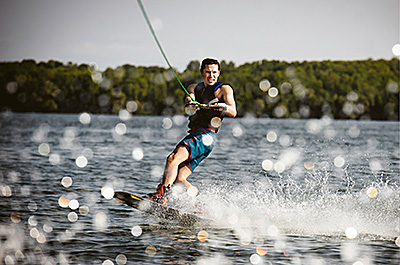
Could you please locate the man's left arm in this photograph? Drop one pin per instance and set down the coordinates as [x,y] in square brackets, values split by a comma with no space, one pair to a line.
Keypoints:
[227,95]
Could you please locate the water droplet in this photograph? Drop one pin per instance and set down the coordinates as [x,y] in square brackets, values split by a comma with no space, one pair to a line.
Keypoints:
[124,115]
[339,161]
[267,165]
[192,191]
[286,87]
[81,161]
[308,165]
[131,106]
[179,119]
[41,238]
[107,192]
[375,165]
[6,191]
[85,118]
[167,123]
[352,96]
[396,49]
[54,159]
[285,140]
[255,259]
[272,136]
[151,251]
[207,140]
[100,221]
[93,66]
[313,126]
[392,87]
[279,167]
[69,134]
[72,217]
[273,92]
[44,149]
[73,204]
[264,85]
[351,232]
[237,131]
[273,231]
[121,259]
[353,131]
[12,87]
[32,206]
[107,262]
[279,111]
[397,241]
[63,201]
[202,236]
[15,218]
[34,233]
[261,251]
[216,122]
[304,111]
[84,210]
[136,231]
[47,228]
[137,154]
[372,192]
[329,133]
[120,128]
[156,171]
[66,182]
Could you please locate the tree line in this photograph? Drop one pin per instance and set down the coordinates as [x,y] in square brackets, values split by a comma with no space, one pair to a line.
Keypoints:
[365,89]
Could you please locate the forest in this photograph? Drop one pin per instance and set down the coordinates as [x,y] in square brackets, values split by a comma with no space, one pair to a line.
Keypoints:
[365,89]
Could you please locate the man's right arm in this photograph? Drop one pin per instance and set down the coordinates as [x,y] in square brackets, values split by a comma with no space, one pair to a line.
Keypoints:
[190,89]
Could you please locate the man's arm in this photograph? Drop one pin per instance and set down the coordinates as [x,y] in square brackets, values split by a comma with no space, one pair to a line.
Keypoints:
[227,94]
[190,89]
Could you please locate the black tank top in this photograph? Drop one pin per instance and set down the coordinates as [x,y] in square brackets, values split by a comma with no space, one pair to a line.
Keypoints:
[204,118]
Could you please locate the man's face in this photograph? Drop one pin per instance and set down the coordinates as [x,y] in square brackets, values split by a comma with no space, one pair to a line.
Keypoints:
[210,74]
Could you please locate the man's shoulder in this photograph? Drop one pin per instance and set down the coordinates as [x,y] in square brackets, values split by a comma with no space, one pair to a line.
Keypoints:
[226,88]
[192,87]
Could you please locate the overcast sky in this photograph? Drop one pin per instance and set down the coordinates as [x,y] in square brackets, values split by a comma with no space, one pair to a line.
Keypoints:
[114,32]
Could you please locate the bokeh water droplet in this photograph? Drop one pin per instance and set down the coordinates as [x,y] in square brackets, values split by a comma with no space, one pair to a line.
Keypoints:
[136,231]
[85,118]
[202,235]
[66,182]
[351,232]
[137,154]
[81,161]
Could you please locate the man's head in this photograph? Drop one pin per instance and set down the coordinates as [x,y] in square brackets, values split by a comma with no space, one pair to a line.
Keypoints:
[210,71]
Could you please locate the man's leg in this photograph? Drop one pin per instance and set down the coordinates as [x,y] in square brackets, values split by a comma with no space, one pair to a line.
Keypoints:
[171,173]
[183,174]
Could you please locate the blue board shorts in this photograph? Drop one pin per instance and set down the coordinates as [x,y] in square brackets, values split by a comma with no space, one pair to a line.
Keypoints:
[199,144]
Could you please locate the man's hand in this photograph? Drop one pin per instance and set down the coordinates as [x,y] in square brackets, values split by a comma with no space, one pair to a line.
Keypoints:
[219,107]
[191,107]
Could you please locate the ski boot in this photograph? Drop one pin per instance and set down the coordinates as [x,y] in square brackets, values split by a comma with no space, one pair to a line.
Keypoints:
[160,196]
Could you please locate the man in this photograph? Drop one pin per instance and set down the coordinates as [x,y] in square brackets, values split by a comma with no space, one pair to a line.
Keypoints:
[217,100]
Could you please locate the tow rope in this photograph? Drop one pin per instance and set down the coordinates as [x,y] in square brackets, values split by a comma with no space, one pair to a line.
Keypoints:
[161,49]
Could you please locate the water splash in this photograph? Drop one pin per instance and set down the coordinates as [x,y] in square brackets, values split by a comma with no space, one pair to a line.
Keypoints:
[309,208]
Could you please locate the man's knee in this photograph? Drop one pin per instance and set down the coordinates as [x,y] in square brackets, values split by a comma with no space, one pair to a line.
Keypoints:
[179,155]
[171,157]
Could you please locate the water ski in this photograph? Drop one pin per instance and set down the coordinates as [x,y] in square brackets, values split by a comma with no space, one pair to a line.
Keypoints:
[157,209]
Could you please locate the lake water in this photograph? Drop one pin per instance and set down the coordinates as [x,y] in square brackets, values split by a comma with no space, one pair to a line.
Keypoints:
[278,192]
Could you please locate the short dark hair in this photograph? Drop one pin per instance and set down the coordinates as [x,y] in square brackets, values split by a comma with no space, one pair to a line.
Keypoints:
[208,61]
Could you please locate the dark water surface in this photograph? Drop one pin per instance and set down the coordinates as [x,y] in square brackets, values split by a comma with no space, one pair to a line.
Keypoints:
[278,192]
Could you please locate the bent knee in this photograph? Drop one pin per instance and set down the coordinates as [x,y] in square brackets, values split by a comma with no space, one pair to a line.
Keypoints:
[178,155]
[171,157]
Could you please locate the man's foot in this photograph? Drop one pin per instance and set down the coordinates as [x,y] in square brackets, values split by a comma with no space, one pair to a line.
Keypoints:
[160,196]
